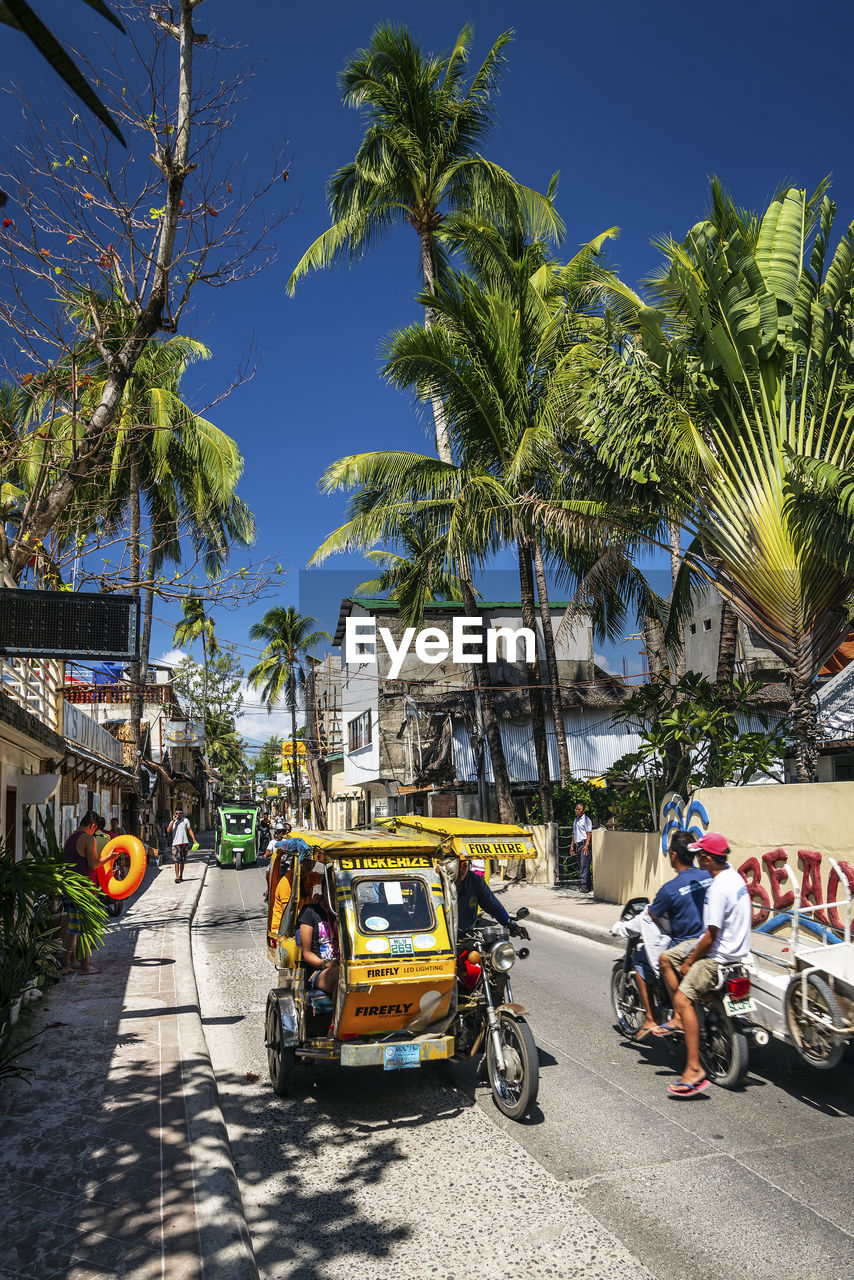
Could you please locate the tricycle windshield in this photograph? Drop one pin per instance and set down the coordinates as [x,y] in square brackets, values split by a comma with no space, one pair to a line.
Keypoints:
[393,906]
[239,824]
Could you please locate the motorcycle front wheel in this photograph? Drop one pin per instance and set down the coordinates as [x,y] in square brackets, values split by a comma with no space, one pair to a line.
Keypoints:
[514,1090]
[723,1048]
[625,1000]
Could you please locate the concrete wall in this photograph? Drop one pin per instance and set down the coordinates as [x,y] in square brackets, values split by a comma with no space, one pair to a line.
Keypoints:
[768,829]
[627,864]
[544,869]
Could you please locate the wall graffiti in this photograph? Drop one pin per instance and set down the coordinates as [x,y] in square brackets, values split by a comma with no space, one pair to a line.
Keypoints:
[820,885]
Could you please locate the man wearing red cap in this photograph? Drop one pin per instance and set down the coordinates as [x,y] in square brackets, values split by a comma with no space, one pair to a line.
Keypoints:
[725,940]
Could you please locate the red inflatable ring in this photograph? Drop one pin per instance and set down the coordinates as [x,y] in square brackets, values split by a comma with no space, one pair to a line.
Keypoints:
[136,851]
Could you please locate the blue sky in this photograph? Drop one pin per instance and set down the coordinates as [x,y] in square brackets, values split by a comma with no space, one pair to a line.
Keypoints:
[636,105]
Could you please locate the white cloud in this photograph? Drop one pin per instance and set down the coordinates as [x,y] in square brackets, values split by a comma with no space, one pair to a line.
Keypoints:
[606,664]
[171,658]
[255,725]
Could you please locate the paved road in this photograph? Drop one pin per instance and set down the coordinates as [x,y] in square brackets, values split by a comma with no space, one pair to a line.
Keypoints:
[771,1165]
[373,1174]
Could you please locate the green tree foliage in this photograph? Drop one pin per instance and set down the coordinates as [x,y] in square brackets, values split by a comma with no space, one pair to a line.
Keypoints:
[420,159]
[692,737]
[212,695]
[269,759]
[740,376]
[280,674]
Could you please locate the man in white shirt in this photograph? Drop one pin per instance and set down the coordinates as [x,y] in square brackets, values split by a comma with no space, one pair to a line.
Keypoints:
[182,838]
[725,940]
[582,828]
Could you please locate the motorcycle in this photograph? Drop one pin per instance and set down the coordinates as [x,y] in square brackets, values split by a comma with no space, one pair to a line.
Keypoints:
[486,1012]
[720,1014]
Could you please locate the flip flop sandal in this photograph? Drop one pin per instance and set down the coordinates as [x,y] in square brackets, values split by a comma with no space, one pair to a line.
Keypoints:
[644,1033]
[683,1090]
[667,1029]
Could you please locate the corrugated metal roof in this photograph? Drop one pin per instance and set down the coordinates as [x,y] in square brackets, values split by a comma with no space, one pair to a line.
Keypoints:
[593,740]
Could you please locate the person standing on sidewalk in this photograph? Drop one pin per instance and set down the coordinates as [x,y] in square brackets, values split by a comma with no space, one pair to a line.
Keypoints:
[81,852]
[182,838]
[582,836]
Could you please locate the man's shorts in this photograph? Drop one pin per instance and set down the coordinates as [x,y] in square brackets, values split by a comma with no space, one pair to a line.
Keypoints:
[179,852]
[74,925]
[640,961]
[701,978]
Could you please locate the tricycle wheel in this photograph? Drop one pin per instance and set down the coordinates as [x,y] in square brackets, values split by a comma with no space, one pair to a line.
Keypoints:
[723,1048]
[281,1058]
[515,1092]
[811,1023]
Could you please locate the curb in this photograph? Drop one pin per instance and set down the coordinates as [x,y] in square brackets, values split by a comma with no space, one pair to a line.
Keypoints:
[595,932]
[225,1247]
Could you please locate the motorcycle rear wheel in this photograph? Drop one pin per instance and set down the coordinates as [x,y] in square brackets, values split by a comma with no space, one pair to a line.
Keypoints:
[515,1092]
[625,1000]
[723,1048]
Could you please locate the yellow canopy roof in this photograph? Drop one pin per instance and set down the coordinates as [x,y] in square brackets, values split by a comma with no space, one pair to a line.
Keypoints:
[465,832]
[459,827]
[346,843]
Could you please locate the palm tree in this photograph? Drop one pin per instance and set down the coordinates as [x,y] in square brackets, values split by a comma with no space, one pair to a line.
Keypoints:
[20,17]
[419,159]
[502,359]
[281,672]
[747,367]
[416,574]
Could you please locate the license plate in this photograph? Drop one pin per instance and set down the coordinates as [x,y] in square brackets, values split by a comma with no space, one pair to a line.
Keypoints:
[401,947]
[736,1007]
[397,1056]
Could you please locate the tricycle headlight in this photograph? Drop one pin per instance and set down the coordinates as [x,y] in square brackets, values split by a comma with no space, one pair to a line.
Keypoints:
[502,956]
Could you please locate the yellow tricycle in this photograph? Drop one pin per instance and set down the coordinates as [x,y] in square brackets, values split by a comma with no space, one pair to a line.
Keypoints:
[362,929]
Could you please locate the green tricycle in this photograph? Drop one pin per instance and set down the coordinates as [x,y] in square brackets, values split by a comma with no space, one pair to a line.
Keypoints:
[234,835]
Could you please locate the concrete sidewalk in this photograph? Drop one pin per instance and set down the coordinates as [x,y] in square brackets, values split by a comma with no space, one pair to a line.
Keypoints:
[115,1159]
[562,908]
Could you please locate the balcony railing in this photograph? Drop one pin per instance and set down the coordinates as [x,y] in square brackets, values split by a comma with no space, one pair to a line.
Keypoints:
[34,684]
[115,695]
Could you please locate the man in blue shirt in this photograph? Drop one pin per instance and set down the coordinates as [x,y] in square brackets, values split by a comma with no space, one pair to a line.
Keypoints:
[677,910]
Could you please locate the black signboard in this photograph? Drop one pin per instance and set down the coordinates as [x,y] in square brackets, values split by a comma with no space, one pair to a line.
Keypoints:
[68,624]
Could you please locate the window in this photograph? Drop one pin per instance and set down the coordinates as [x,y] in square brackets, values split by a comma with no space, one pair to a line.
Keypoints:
[693,628]
[359,731]
[393,906]
[707,624]
[239,824]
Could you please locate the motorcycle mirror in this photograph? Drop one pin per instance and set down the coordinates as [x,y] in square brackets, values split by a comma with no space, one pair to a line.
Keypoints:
[522,912]
[523,953]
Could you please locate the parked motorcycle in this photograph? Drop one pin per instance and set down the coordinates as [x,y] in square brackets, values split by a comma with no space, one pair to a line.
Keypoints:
[723,1034]
[486,1014]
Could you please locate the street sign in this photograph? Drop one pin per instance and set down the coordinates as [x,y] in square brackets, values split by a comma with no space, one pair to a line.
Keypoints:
[68,624]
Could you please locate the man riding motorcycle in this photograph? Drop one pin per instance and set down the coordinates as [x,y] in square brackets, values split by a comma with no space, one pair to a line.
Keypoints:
[678,911]
[725,940]
[473,894]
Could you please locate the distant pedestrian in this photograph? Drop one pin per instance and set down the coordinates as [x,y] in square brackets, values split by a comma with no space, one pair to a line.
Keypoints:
[582,837]
[182,838]
[115,830]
